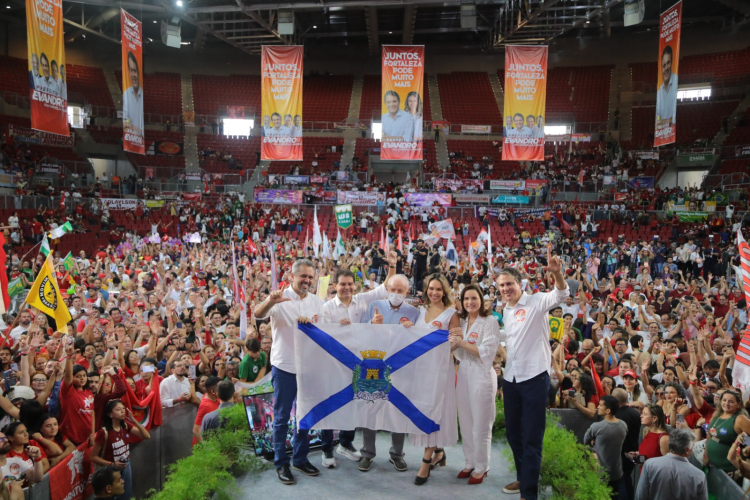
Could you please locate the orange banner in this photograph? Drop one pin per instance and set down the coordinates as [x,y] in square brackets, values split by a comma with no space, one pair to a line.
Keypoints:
[665,128]
[525,102]
[133,129]
[281,103]
[403,88]
[47,84]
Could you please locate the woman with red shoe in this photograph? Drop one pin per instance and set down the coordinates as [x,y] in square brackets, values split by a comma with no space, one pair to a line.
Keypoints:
[477,382]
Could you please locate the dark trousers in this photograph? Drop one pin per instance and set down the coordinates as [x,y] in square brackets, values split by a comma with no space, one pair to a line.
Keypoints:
[345,438]
[525,416]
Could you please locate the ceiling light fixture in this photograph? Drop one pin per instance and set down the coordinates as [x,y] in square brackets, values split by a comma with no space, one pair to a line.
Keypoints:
[178,3]
[315,27]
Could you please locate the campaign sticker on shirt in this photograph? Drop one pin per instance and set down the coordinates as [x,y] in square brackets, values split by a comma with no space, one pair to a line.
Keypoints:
[403,319]
[437,324]
[722,431]
[521,315]
[712,431]
[315,319]
[472,338]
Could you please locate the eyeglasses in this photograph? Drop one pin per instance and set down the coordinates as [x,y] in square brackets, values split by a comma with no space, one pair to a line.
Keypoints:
[659,394]
[39,380]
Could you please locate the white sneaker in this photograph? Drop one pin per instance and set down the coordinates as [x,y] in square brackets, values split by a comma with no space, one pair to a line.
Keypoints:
[351,454]
[329,461]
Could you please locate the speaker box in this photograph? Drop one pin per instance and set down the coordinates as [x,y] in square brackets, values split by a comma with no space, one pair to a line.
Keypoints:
[170,34]
[286,22]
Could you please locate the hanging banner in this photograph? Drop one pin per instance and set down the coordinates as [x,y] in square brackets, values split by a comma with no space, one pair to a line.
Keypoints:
[278,196]
[509,185]
[641,183]
[46,49]
[360,197]
[344,217]
[428,199]
[669,57]
[132,84]
[281,103]
[23,134]
[525,102]
[403,88]
[71,480]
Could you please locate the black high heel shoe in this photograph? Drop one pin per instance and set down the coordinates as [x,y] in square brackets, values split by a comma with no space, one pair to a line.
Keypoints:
[440,462]
[419,481]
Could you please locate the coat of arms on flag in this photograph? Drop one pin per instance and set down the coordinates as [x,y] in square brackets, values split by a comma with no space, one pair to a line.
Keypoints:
[380,377]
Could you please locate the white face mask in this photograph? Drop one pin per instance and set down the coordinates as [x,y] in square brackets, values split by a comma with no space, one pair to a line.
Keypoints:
[396,299]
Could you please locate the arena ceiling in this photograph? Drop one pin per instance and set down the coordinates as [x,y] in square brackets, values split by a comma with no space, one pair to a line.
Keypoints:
[322,24]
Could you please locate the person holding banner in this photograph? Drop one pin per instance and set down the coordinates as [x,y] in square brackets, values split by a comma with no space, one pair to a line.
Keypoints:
[398,125]
[526,384]
[438,314]
[345,309]
[132,100]
[284,307]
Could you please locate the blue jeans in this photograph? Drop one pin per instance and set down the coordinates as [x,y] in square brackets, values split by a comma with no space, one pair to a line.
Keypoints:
[525,416]
[285,392]
[345,439]
[127,477]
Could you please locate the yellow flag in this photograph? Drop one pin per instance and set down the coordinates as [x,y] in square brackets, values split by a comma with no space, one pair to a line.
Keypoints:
[46,297]
[323,282]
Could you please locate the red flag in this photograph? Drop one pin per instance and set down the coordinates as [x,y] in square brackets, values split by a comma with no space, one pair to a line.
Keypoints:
[400,242]
[4,274]
[597,380]
[147,410]
[62,200]
[251,248]
[70,481]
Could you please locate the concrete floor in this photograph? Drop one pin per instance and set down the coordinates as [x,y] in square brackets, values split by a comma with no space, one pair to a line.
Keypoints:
[382,481]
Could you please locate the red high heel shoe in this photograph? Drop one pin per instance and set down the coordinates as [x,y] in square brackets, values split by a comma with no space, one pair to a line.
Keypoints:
[464,475]
[475,480]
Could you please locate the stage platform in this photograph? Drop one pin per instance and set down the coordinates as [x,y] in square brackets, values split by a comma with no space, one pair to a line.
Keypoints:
[382,481]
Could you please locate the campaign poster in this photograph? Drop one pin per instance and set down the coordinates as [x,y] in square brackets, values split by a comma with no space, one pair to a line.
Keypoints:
[47,83]
[525,102]
[281,103]
[132,84]
[403,102]
[665,130]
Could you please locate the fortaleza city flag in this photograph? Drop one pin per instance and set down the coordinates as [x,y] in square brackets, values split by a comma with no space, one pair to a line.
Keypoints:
[666,93]
[48,85]
[281,102]
[402,102]
[741,372]
[380,377]
[525,102]
[133,128]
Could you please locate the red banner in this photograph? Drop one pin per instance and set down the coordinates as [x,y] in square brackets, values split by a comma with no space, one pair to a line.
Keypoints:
[525,102]
[69,480]
[133,128]
[47,83]
[666,95]
[403,88]
[281,102]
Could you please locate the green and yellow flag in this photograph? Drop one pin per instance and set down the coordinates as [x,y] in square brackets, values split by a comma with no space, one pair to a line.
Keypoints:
[70,263]
[45,296]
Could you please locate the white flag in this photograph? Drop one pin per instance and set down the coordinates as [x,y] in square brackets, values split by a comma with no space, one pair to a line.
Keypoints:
[339,249]
[317,240]
[450,254]
[378,377]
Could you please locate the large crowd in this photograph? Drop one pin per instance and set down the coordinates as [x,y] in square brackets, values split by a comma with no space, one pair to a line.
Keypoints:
[654,324]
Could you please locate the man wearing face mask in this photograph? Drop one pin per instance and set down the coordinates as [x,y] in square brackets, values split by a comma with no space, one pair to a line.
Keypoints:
[391,311]
[345,309]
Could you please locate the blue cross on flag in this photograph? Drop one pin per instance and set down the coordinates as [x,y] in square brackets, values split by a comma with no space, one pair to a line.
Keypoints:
[380,377]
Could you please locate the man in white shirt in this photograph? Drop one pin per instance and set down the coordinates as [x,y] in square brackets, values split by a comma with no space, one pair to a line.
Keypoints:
[666,96]
[284,308]
[346,309]
[526,384]
[24,322]
[132,100]
[175,389]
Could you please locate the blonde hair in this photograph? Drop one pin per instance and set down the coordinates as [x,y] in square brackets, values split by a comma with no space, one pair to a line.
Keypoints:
[447,293]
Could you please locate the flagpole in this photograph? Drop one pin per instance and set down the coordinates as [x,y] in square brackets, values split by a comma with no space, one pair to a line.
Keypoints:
[32,249]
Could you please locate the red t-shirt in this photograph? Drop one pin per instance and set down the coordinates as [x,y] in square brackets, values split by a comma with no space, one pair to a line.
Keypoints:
[25,456]
[206,407]
[76,407]
[118,443]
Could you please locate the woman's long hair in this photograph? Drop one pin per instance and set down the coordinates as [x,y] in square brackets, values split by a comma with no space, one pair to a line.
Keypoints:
[447,292]
[587,386]
[106,419]
[419,103]
[483,311]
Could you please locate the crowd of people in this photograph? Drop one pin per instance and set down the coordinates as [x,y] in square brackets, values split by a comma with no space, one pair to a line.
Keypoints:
[647,334]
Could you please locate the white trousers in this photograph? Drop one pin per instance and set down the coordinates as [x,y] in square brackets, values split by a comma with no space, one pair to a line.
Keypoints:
[475,395]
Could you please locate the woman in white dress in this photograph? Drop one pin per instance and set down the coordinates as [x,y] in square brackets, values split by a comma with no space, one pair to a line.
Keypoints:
[477,382]
[438,314]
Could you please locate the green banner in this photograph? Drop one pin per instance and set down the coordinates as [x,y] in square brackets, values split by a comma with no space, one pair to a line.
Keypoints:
[15,287]
[344,216]
[696,160]
[691,216]
[70,263]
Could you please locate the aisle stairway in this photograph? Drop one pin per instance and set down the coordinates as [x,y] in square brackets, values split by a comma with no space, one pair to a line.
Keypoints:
[114,88]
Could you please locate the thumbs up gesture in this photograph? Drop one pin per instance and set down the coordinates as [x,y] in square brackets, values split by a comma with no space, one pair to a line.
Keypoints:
[377,319]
